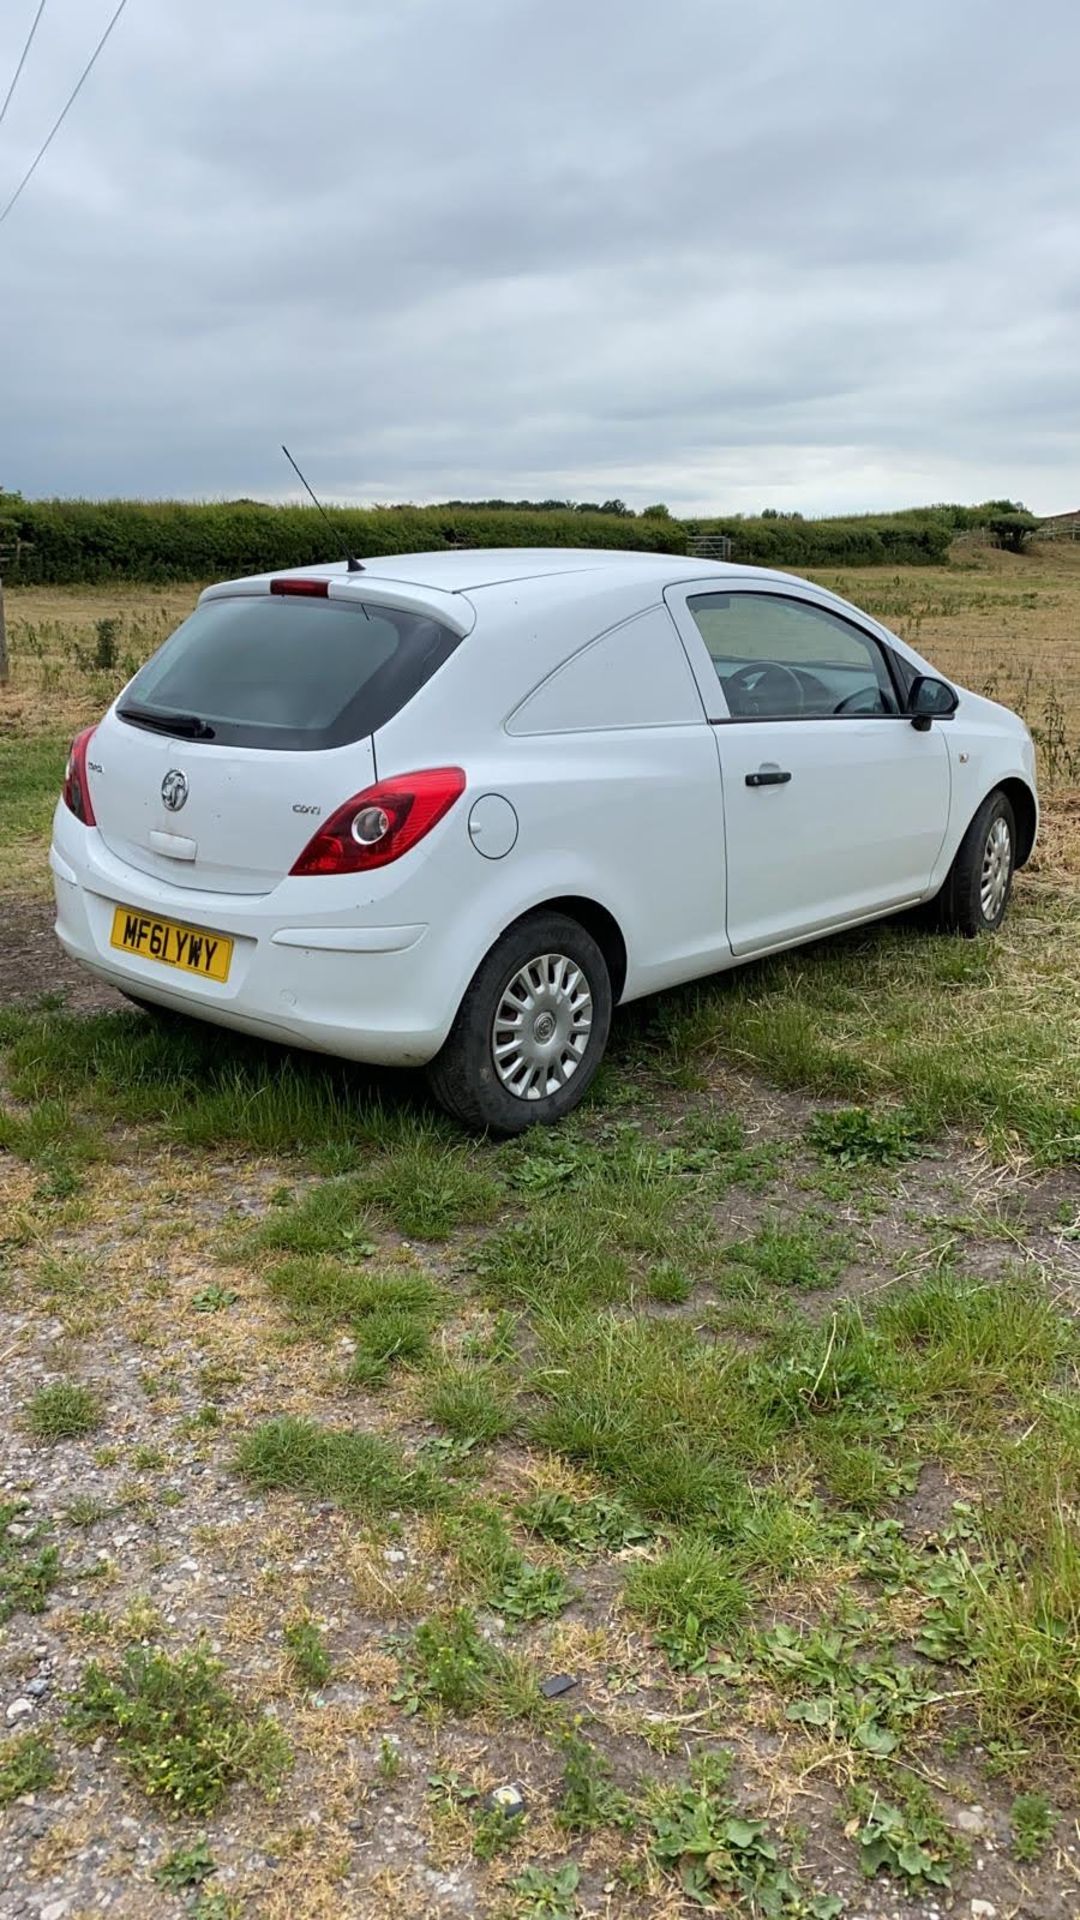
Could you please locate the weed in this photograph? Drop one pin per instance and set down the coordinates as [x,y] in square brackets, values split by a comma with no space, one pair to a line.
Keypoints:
[718,1854]
[361,1471]
[64,1411]
[588,1799]
[599,1524]
[180,1733]
[213,1299]
[865,1702]
[29,1564]
[186,1867]
[447,1663]
[910,1840]
[388,1766]
[307,1650]
[546,1893]
[1032,1820]
[506,1581]
[859,1137]
[27,1765]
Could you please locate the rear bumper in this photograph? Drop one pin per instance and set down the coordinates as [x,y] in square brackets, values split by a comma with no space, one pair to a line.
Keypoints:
[380,994]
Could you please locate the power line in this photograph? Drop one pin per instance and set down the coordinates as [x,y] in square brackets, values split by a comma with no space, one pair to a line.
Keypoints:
[72,97]
[22,62]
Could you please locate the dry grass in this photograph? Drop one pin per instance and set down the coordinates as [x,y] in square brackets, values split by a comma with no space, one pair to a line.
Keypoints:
[1002,624]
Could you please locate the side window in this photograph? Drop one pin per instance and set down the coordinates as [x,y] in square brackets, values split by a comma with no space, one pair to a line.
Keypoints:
[635,676]
[785,659]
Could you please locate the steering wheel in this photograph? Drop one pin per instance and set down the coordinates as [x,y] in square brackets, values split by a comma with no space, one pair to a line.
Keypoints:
[871,694]
[753,683]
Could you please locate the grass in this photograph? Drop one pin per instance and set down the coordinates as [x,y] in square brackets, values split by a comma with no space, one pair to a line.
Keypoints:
[804,1256]
[620,1423]
[29,1562]
[359,1471]
[308,1655]
[471,1399]
[691,1596]
[66,1410]
[27,1765]
[448,1666]
[179,1731]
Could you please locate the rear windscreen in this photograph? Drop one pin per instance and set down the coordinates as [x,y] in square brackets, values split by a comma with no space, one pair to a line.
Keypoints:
[281,671]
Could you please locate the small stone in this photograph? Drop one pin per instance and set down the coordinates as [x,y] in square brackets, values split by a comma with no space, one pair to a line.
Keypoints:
[18,1710]
[983,1910]
[56,1910]
[37,1687]
[972,1820]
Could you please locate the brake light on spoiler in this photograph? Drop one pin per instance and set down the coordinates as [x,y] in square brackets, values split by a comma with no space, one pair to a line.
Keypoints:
[308,589]
[381,823]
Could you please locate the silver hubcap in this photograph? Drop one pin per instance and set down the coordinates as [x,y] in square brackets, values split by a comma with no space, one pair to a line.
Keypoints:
[996,868]
[541,1029]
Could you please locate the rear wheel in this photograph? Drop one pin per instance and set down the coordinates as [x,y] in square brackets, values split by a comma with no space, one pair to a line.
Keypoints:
[976,893]
[531,1030]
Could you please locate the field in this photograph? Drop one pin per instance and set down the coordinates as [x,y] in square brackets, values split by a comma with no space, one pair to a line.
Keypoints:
[707,1469]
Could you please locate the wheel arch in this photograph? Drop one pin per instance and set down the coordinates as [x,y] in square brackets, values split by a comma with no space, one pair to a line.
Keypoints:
[1026,814]
[598,921]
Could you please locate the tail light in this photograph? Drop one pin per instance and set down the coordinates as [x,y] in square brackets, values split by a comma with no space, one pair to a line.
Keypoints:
[382,823]
[75,792]
[307,589]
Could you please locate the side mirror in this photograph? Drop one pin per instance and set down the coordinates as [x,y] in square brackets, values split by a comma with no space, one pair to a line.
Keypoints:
[930,699]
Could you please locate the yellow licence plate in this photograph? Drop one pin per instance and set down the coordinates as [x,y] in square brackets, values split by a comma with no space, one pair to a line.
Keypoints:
[191,949]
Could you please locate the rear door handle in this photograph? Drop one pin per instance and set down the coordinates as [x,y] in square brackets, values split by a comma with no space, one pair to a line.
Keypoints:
[768,777]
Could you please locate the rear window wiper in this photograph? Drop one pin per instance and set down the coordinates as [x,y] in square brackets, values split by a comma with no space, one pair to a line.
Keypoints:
[187,726]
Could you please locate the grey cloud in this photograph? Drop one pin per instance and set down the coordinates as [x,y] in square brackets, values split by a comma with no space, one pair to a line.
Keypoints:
[805,251]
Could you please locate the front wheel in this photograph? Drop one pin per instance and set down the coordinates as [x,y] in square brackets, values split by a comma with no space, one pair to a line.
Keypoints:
[976,893]
[531,1030]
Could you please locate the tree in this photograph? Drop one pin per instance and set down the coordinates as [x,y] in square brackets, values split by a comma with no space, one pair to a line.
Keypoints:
[1012,530]
[657,512]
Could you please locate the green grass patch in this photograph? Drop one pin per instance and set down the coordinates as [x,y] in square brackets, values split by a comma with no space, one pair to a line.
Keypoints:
[29,1563]
[982,1036]
[361,1471]
[179,1731]
[322,1295]
[65,1410]
[471,1399]
[803,1257]
[309,1657]
[31,775]
[385,1338]
[27,1765]
[691,1596]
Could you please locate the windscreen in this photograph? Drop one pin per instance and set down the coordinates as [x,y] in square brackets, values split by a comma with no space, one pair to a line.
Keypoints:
[283,671]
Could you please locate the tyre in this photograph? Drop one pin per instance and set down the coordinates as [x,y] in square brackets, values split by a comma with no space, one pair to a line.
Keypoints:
[531,1030]
[976,893]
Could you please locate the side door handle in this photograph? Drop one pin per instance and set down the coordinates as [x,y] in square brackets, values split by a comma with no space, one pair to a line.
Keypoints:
[768,777]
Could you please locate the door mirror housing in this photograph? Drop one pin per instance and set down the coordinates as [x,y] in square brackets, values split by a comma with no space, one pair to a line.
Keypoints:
[930,699]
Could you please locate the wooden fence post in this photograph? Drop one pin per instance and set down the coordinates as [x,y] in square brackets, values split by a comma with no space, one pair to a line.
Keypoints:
[4,669]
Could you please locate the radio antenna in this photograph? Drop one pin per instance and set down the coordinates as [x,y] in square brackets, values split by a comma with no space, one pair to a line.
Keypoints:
[352,563]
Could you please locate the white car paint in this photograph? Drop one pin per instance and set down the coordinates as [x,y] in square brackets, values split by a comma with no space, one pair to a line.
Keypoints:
[601,764]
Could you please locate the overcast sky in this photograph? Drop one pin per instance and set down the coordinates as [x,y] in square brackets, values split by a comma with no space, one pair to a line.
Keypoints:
[821,254]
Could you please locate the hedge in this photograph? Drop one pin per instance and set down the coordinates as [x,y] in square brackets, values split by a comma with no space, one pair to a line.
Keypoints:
[74,541]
